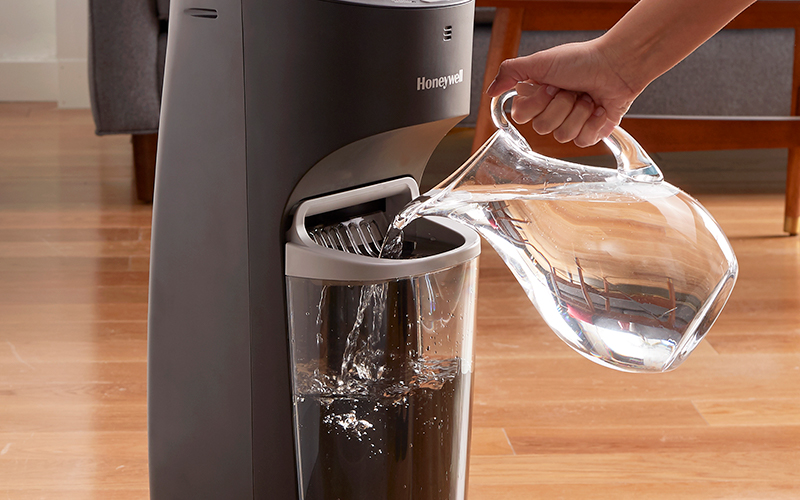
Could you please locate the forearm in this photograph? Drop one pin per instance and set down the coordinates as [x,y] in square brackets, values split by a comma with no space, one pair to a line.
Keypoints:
[657,34]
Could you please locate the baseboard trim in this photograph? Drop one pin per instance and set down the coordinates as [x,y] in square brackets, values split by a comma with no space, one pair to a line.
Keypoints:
[29,81]
[73,83]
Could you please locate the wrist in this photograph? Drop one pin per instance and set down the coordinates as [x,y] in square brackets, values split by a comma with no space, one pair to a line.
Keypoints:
[628,59]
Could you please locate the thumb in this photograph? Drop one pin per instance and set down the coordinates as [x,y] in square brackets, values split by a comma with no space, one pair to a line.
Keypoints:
[519,69]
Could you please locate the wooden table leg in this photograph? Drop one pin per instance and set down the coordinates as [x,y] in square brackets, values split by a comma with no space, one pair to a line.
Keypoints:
[504,44]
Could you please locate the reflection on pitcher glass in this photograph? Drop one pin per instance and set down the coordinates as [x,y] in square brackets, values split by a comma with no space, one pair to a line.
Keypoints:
[627,269]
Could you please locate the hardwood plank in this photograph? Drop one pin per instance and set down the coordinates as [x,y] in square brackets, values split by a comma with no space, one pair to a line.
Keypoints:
[90,493]
[74,249]
[751,412]
[510,411]
[490,441]
[520,380]
[653,439]
[88,349]
[70,445]
[58,264]
[102,331]
[68,418]
[18,374]
[752,342]
[662,490]
[134,216]
[57,313]
[613,468]
[62,234]
[100,472]
[74,295]
[67,278]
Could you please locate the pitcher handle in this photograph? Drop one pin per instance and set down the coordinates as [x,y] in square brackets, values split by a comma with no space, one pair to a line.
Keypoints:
[632,160]
[498,112]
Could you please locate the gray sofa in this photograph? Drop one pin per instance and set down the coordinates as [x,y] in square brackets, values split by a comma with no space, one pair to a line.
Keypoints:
[734,73]
[127,44]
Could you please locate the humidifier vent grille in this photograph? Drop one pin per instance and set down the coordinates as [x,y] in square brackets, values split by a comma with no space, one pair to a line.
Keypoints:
[361,235]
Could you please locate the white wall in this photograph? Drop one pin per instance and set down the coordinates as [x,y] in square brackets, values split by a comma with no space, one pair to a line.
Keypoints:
[43,51]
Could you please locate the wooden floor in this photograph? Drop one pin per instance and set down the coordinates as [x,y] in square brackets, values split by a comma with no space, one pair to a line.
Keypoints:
[548,424]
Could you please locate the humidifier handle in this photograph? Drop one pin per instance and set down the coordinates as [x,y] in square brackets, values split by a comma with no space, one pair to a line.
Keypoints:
[633,161]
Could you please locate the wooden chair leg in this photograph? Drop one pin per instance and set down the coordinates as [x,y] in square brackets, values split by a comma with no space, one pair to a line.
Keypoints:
[504,44]
[791,221]
[791,213]
[144,165]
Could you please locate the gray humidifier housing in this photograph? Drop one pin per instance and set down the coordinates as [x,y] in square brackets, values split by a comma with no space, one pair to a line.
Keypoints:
[267,104]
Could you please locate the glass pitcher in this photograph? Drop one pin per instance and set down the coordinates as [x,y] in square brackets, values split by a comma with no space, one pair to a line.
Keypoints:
[625,268]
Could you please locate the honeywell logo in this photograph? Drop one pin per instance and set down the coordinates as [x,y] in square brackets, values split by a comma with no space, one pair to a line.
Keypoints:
[441,82]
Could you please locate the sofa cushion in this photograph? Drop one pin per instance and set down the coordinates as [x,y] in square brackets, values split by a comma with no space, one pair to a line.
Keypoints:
[124,73]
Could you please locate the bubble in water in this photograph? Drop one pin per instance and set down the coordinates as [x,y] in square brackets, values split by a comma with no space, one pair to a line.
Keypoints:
[349,422]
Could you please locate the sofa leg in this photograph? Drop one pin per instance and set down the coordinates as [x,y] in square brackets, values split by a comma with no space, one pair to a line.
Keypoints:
[144,165]
[791,222]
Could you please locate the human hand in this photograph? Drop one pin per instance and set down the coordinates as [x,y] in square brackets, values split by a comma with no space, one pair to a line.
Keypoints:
[574,91]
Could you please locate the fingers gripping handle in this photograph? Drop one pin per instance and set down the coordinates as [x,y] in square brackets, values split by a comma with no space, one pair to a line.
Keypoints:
[632,161]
